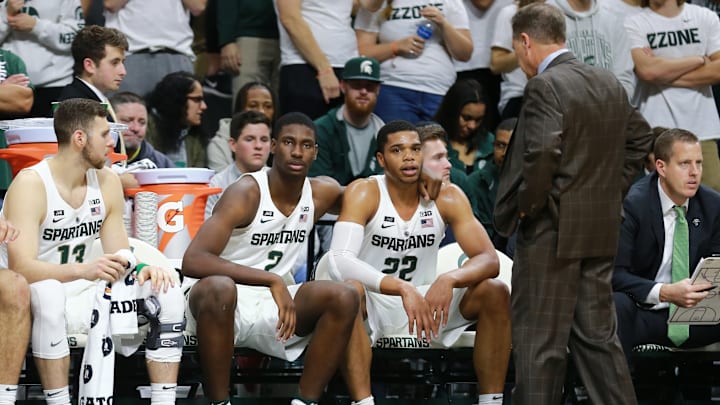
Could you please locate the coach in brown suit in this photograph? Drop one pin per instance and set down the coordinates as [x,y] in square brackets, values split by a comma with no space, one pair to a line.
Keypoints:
[577,146]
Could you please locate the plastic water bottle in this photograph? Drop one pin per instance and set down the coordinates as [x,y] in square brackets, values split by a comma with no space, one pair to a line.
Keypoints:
[425,29]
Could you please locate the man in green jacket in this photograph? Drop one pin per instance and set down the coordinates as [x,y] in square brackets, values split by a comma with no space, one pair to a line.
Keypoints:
[346,135]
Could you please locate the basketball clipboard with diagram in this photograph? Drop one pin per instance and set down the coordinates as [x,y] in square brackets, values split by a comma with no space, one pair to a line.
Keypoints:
[707,311]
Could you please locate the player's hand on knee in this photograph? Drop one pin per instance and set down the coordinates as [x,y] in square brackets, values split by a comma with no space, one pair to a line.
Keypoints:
[8,232]
[286,311]
[160,278]
[438,298]
[419,318]
[107,267]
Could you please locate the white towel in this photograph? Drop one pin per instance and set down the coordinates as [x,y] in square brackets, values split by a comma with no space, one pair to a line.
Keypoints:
[114,314]
[98,363]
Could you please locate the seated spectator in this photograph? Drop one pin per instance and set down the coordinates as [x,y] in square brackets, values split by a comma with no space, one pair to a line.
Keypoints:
[417,72]
[130,110]
[485,180]
[461,113]
[346,135]
[176,107]
[75,200]
[253,96]
[41,33]
[670,222]
[16,90]
[250,144]
[98,55]
[14,323]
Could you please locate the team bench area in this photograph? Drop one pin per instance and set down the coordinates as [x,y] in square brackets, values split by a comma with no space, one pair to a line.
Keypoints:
[403,369]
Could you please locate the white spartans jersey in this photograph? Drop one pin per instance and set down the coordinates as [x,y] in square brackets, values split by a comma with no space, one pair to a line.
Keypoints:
[272,241]
[66,233]
[405,249]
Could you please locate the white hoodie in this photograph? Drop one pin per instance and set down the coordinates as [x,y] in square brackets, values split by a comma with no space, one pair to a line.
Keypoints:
[46,49]
[597,37]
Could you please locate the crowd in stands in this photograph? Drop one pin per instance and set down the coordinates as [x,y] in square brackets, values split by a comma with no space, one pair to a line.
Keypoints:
[201,83]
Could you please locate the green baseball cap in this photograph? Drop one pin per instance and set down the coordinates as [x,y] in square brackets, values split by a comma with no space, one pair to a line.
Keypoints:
[362,68]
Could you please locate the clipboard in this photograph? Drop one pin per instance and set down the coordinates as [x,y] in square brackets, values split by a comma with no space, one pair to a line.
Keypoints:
[707,311]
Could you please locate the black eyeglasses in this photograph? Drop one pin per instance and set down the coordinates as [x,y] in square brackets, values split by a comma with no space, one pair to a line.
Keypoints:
[197,99]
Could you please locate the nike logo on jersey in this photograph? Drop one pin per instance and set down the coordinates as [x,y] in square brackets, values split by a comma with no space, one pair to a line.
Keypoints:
[53,344]
[264,220]
[383,226]
[56,220]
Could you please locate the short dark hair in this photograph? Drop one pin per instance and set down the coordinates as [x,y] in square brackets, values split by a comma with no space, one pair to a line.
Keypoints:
[664,143]
[90,43]
[431,131]
[74,114]
[242,119]
[391,128]
[507,124]
[126,97]
[290,119]
[542,22]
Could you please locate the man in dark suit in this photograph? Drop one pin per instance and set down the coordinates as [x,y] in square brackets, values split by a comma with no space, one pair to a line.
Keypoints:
[642,280]
[576,149]
[98,55]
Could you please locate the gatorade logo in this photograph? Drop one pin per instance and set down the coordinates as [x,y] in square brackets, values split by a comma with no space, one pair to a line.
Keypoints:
[170,217]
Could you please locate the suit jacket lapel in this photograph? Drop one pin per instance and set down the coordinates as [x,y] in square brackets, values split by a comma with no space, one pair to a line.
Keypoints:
[658,225]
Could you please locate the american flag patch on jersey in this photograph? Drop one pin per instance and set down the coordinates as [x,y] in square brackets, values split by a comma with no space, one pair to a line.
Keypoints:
[303,218]
[95,210]
[426,223]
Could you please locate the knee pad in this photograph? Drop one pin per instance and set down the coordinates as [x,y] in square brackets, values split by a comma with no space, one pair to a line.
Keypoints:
[49,334]
[166,315]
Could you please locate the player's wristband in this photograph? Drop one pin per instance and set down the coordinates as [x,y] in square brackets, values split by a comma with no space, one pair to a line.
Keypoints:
[139,268]
[129,257]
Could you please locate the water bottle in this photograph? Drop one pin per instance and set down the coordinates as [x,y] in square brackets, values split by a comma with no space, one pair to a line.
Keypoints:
[425,29]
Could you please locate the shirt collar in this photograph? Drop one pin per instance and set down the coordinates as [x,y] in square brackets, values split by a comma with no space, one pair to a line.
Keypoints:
[550,58]
[95,90]
[666,204]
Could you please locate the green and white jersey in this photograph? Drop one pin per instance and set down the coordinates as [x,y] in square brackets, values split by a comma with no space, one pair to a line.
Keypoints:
[272,241]
[67,233]
[405,249]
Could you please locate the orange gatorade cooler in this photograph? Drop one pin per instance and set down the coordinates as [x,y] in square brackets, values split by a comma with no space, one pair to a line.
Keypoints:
[182,194]
[31,140]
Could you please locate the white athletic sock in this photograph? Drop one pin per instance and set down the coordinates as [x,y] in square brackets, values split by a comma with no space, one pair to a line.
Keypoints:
[8,394]
[490,399]
[162,394]
[365,401]
[58,396]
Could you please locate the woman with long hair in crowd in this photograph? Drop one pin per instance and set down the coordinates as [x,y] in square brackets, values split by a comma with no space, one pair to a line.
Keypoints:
[176,107]
[461,113]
